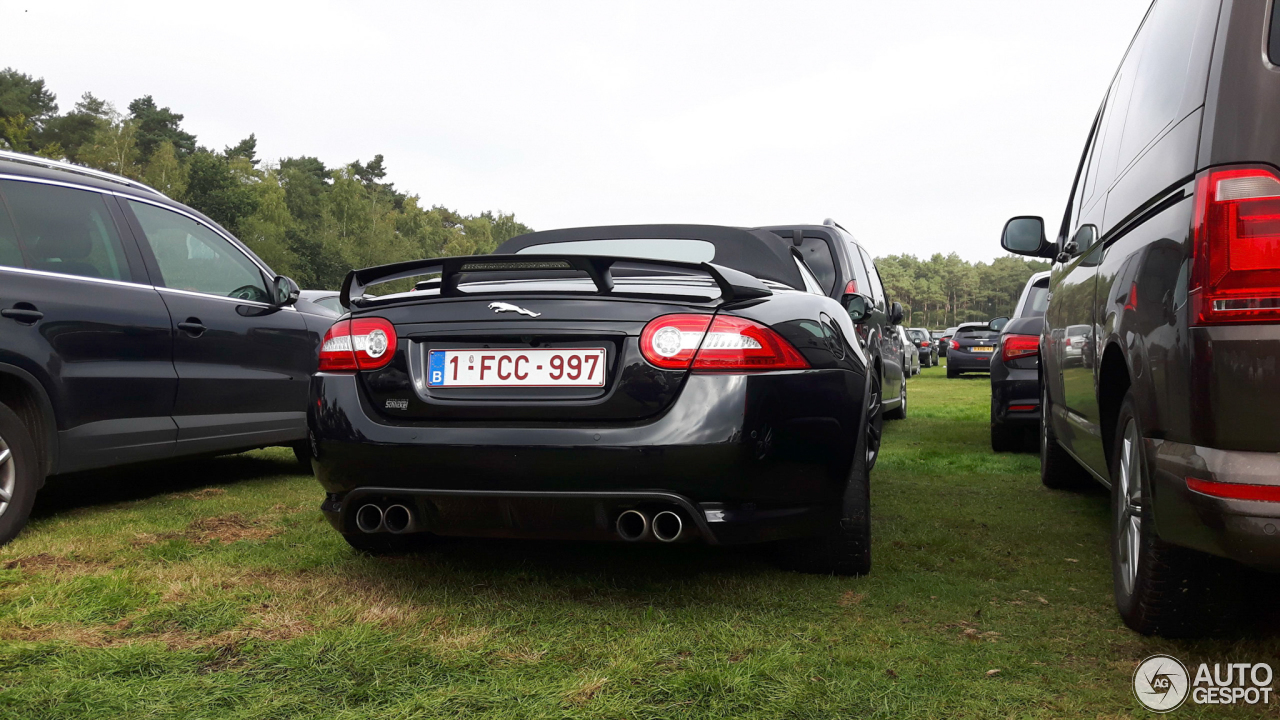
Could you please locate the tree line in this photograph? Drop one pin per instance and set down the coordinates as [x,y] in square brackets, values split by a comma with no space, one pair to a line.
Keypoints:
[306,220]
[944,291]
[314,223]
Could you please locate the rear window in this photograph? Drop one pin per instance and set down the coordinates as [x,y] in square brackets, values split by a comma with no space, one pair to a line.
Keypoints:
[677,250]
[817,255]
[974,332]
[918,335]
[1037,301]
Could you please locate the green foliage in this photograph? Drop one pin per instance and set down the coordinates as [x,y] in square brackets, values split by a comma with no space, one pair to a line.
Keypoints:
[157,125]
[945,290]
[305,220]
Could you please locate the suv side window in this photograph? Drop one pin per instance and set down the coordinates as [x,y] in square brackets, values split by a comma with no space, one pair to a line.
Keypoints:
[859,270]
[10,251]
[877,289]
[66,231]
[194,257]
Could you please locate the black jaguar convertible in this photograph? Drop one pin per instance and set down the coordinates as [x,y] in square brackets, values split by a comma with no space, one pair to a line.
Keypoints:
[657,383]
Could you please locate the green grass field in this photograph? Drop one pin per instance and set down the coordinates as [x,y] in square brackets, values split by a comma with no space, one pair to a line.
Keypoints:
[216,590]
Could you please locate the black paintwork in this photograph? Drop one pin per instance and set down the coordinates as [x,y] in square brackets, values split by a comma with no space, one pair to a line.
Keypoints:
[961,356]
[759,456]
[108,377]
[1017,381]
[1118,317]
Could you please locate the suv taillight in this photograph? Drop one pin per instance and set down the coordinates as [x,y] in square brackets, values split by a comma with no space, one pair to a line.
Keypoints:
[359,344]
[1013,347]
[730,344]
[1236,276]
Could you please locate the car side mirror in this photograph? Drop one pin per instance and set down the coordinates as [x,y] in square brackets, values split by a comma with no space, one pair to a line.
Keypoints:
[859,307]
[895,313]
[286,291]
[1024,235]
[997,324]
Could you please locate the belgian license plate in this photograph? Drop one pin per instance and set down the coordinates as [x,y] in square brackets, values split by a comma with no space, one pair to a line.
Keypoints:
[982,348]
[576,367]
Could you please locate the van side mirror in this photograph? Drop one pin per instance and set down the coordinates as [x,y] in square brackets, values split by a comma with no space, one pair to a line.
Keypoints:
[1024,235]
[859,307]
[997,324]
[895,313]
[285,290]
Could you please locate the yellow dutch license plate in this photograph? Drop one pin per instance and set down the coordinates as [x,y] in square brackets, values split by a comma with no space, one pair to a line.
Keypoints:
[982,348]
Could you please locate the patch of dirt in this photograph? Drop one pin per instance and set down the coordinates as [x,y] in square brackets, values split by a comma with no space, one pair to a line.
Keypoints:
[46,563]
[225,529]
[583,693]
[850,598]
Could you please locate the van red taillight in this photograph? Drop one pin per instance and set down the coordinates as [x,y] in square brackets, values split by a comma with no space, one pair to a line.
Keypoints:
[729,344]
[359,344]
[1236,276]
[1013,347]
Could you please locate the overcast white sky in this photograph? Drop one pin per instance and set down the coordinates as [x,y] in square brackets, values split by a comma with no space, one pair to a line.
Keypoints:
[920,126]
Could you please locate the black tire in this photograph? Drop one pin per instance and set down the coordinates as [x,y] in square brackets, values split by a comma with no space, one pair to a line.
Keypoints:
[900,412]
[874,430]
[1160,588]
[1005,438]
[952,372]
[302,453]
[844,548]
[20,474]
[1058,470]
[384,543]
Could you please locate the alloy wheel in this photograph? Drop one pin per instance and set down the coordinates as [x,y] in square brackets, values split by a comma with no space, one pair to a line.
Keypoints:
[8,475]
[1128,516]
[875,421]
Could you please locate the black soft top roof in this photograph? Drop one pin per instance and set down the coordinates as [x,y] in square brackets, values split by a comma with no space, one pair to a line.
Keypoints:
[759,253]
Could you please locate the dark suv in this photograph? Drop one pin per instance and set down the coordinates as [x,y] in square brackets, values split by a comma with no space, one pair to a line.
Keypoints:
[133,328]
[843,268]
[1166,283]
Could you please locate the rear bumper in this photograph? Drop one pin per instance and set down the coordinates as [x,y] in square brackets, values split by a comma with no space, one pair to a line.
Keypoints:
[1017,388]
[1247,531]
[756,457]
[961,360]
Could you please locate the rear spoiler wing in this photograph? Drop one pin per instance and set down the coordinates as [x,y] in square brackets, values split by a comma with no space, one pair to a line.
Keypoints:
[733,284]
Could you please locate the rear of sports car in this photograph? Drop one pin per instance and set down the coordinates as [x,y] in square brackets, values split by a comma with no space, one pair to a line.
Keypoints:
[656,408]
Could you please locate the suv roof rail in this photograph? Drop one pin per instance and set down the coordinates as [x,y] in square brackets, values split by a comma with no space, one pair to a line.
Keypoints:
[832,223]
[78,169]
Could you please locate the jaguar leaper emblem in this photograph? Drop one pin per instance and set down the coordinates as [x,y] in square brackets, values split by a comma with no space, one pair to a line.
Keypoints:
[501,307]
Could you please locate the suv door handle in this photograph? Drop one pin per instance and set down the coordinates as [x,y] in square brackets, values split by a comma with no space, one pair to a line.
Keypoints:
[192,327]
[25,315]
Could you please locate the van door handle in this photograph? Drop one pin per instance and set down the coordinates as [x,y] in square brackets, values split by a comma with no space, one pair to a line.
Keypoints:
[25,315]
[192,327]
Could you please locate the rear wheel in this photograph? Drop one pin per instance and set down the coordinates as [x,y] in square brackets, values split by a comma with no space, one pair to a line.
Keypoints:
[1058,470]
[900,412]
[19,474]
[844,547]
[1160,589]
[302,453]
[952,372]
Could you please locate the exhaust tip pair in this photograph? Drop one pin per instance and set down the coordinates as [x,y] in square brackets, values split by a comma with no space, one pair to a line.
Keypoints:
[395,519]
[635,525]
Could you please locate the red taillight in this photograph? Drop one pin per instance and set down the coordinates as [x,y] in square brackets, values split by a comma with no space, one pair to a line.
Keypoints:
[955,344]
[359,344]
[1236,276]
[1013,347]
[730,344]
[1235,491]
[671,341]
[851,287]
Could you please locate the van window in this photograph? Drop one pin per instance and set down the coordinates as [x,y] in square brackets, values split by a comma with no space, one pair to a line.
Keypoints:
[1167,40]
[10,251]
[66,231]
